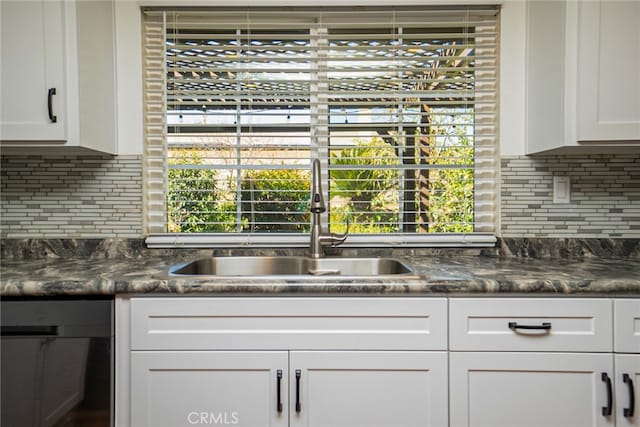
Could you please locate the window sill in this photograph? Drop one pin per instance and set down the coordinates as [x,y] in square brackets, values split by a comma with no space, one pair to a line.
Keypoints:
[284,240]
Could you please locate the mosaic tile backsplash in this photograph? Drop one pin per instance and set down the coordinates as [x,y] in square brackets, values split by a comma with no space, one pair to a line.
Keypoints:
[605,197]
[71,196]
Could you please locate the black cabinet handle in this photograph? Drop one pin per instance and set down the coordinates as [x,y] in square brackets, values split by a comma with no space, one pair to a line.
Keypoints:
[628,412]
[544,326]
[52,92]
[298,375]
[278,389]
[606,410]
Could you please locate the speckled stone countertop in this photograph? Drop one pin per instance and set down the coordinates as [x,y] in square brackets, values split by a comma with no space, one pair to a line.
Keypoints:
[460,275]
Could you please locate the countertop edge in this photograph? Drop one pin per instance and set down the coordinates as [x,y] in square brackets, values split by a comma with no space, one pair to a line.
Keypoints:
[437,276]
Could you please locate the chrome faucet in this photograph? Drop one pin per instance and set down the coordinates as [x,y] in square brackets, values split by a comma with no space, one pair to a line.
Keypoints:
[319,239]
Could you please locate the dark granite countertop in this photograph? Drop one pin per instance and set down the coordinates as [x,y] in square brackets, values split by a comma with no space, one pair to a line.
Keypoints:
[460,275]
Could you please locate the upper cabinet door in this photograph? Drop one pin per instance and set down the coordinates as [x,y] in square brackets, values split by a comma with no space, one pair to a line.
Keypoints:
[583,76]
[609,70]
[33,67]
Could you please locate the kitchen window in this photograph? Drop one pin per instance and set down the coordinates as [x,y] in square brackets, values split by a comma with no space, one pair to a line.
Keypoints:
[399,105]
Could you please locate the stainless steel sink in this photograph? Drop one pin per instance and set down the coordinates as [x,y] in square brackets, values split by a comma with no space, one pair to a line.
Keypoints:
[296,267]
[357,266]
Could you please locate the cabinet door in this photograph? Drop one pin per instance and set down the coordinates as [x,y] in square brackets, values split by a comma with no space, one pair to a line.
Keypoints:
[627,325]
[33,62]
[368,389]
[185,388]
[529,389]
[627,390]
[609,70]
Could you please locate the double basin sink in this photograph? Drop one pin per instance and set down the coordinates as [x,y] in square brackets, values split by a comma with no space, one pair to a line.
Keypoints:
[291,267]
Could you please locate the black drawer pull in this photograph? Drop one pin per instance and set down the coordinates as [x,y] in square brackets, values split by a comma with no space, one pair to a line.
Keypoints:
[298,375]
[628,412]
[278,389]
[545,326]
[606,410]
[52,91]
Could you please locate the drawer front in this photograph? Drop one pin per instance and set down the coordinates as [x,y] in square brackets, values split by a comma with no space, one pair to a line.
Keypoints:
[627,325]
[288,323]
[545,324]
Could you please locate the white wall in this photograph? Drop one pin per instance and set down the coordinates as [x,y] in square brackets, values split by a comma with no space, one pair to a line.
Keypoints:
[129,64]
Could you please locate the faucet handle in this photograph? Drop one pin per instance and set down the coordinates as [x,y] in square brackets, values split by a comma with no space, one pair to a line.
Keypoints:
[319,240]
[337,239]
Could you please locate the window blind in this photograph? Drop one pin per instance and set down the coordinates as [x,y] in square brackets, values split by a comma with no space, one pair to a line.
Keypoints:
[399,104]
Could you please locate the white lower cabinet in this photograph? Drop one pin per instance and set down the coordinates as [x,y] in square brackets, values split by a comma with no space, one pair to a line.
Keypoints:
[186,388]
[530,389]
[278,388]
[627,326]
[377,362]
[531,362]
[627,361]
[368,389]
[627,383]
[544,362]
[269,362]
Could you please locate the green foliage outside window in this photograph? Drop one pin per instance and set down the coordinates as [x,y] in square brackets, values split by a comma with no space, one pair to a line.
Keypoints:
[276,200]
[451,198]
[194,203]
[368,197]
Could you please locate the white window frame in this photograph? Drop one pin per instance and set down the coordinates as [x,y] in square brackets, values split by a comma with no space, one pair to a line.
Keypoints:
[154,201]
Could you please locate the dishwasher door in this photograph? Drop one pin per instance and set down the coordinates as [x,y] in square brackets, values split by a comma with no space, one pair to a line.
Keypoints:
[57,362]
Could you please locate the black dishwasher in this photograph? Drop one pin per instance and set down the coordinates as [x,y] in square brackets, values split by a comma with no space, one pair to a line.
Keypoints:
[57,362]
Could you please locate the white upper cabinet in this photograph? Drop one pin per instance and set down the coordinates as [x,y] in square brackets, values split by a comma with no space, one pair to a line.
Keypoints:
[609,71]
[58,79]
[583,76]
[34,84]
